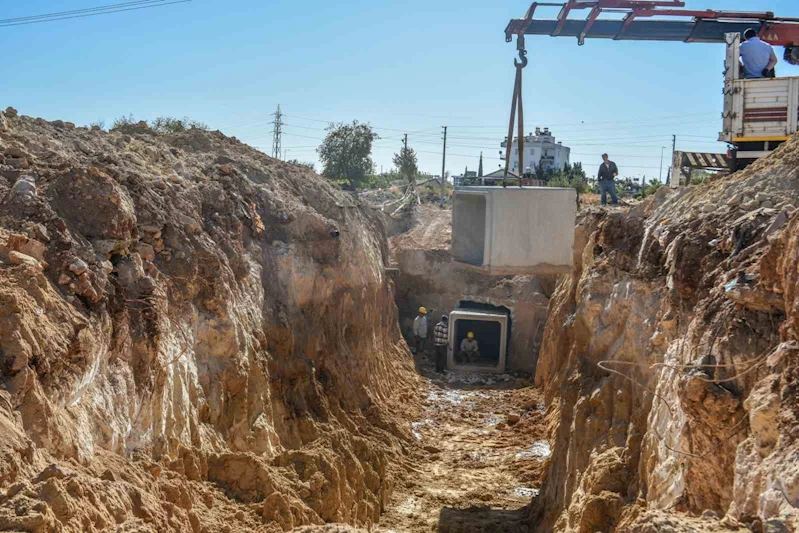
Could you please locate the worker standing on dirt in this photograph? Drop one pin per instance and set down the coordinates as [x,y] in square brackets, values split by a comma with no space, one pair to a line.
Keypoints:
[606,178]
[420,329]
[441,340]
[470,351]
[757,57]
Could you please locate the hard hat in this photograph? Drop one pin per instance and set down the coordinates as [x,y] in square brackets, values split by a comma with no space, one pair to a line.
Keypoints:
[423,310]
[470,335]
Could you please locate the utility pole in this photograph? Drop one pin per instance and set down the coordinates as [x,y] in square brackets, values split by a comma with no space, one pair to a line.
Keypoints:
[443,166]
[277,149]
[406,141]
[673,149]
[660,175]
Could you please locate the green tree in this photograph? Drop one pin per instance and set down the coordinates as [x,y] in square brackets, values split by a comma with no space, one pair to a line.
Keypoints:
[652,188]
[406,163]
[346,153]
[571,176]
[164,125]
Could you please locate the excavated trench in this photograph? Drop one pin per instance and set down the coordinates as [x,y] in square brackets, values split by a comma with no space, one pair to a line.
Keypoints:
[197,337]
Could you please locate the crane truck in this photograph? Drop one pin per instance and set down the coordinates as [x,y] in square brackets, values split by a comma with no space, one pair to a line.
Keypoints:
[759,114]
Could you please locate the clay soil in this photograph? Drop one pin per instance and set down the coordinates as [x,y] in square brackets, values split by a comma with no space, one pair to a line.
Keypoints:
[481,456]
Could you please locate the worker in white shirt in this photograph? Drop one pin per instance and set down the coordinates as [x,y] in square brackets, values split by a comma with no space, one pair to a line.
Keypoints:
[757,57]
[420,328]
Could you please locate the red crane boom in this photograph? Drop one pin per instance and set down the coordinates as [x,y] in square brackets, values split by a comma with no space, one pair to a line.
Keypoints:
[646,20]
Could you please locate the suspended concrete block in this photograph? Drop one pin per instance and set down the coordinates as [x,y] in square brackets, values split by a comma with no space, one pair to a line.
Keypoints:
[514,230]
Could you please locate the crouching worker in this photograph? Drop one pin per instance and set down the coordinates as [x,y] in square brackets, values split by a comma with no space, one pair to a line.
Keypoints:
[441,340]
[420,330]
[470,352]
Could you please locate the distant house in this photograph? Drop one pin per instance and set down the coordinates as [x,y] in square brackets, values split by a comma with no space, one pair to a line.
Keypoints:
[540,149]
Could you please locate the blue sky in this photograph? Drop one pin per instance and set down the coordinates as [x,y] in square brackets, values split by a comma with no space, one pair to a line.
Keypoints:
[404,67]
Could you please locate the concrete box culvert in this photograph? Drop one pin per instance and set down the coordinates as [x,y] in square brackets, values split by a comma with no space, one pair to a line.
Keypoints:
[491,332]
[514,230]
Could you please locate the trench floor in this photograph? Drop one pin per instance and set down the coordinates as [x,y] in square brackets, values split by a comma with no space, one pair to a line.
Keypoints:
[480,457]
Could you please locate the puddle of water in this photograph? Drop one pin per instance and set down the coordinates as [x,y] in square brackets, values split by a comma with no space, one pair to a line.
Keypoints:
[417,426]
[525,492]
[453,396]
[475,379]
[493,420]
[409,507]
[539,451]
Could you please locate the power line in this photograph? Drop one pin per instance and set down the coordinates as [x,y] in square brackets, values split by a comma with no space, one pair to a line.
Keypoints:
[88,12]
[655,121]
[76,11]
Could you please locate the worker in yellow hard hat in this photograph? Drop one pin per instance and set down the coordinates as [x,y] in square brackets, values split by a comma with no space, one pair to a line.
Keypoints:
[470,350]
[420,327]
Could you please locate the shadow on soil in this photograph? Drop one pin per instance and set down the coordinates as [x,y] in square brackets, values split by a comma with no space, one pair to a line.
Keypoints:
[425,366]
[480,519]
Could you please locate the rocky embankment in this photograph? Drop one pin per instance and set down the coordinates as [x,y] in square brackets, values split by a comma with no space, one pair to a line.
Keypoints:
[670,363]
[193,337]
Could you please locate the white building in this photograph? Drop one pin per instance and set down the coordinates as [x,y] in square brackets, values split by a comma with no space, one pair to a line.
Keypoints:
[539,148]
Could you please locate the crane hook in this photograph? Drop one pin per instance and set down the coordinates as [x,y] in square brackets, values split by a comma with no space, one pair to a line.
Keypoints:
[522,52]
[523,57]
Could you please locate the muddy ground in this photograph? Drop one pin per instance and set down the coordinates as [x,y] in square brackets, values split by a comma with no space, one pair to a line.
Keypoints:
[482,454]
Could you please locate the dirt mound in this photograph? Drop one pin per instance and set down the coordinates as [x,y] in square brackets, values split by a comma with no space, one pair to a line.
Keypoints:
[194,337]
[669,362]
[431,230]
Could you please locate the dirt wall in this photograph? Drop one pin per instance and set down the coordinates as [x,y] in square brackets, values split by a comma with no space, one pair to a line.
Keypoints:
[194,337]
[669,359]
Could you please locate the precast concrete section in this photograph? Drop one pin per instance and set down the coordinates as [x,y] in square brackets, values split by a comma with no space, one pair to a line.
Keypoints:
[491,334]
[514,230]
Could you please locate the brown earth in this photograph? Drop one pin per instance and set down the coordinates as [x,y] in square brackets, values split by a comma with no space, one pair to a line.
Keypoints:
[669,362]
[186,343]
[197,337]
[481,456]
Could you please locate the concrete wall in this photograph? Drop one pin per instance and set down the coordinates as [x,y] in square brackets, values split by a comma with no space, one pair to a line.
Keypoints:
[454,340]
[431,279]
[470,215]
[528,230]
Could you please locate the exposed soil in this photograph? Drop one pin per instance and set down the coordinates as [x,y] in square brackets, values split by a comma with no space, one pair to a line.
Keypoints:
[193,337]
[482,453]
[668,364]
[196,337]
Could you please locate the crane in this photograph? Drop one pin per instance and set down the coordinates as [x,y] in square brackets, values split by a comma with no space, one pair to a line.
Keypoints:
[759,114]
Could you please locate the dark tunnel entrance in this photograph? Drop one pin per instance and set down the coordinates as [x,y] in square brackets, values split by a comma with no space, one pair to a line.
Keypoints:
[491,327]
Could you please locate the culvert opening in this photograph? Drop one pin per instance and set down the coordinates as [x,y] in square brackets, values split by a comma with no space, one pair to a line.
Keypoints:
[487,350]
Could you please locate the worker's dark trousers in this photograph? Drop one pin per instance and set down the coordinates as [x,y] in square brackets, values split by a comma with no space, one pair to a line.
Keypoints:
[605,187]
[419,344]
[441,358]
